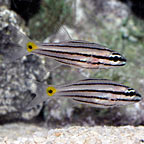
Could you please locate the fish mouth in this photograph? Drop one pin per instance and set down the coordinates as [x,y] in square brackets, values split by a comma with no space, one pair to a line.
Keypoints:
[123,61]
[138,97]
[120,64]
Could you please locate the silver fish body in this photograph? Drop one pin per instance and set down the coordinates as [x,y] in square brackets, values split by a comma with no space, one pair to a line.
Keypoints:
[81,54]
[94,92]
[78,53]
[100,93]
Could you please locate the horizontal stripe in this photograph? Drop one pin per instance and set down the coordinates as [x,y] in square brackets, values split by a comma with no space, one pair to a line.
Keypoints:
[94,103]
[83,84]
[78,65]
[82,42]
[92,90]
[101,98]
[94,82]
[68,63]
[74,53]
[76,60]
[99,80]
[81,54]
[86,42]
[84,46]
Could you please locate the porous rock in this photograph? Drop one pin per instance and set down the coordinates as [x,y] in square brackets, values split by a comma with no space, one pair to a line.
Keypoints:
[16,77]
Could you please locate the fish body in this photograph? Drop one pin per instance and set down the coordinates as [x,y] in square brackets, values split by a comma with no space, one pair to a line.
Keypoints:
[94,92]
[82,54]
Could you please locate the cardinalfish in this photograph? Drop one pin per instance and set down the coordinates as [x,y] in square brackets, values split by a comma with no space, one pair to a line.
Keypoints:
[94,92]
[78,53]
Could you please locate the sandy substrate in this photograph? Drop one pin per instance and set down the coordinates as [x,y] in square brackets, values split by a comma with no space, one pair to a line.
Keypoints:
[30,134]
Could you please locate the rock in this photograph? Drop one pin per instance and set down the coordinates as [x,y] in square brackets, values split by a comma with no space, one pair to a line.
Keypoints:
[30,134]
[137,7]
[5,2]
[94,14]
[26,8]
[51,16]
[14,87]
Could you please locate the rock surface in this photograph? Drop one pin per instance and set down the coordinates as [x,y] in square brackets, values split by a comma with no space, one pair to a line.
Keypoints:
[14,87]
[5,2]
[30,134]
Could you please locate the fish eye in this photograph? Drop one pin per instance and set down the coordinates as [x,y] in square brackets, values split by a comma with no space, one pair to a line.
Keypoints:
[50,91]
[31,46]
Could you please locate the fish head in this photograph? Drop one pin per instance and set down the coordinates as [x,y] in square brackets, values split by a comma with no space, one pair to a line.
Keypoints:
[117,59]
[130,92]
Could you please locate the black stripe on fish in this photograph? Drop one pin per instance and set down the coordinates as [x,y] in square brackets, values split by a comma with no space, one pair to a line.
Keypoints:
[95,46]
[94,103]
[112,84]
[102,98]
[81,54]
[92,90]
[84,42]
[76,60]
[77,65]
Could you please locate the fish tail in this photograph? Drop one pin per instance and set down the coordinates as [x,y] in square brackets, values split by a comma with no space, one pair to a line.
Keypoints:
[36,101]
[16,47]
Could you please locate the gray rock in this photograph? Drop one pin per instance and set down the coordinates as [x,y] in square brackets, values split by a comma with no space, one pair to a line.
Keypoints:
[5,2]
[16,84]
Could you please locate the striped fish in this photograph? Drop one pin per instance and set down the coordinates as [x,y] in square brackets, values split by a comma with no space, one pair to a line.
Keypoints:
[81,54]
[94,92]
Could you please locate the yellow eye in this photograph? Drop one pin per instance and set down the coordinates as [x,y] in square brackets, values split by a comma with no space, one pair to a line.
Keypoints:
[50,91]
[31,46]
